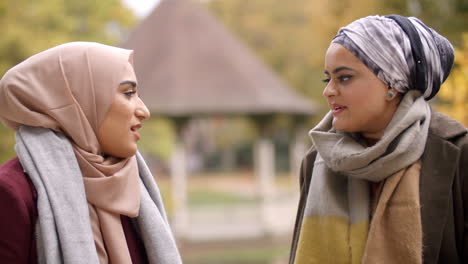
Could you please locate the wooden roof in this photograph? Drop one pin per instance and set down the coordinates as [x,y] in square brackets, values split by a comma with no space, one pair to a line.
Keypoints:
[187,63]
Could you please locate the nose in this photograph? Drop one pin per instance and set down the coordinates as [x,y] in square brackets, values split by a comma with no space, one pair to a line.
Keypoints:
[329,90]
[142,111]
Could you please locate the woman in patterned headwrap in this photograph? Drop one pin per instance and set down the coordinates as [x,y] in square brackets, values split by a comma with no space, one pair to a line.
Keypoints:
[386,180]
[78,192]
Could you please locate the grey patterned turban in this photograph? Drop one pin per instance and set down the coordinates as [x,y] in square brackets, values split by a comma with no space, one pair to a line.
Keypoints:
[384,47]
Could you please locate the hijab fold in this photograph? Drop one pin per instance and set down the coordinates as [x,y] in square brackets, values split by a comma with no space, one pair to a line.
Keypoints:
[69,89]
[64,232]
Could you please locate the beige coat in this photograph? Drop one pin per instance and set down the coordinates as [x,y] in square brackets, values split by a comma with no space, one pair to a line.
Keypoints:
[443,192]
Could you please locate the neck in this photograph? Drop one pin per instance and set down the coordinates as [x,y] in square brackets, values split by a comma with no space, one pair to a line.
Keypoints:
[373,136]
[371,141]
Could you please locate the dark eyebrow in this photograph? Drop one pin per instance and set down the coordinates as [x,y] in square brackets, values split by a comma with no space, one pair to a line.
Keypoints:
[132,83]
[342,68]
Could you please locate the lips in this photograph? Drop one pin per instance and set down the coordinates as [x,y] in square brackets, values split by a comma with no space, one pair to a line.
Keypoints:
[337,108]
[134,130]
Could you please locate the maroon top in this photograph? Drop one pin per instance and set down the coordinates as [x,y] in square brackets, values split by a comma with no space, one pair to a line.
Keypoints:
[18,217]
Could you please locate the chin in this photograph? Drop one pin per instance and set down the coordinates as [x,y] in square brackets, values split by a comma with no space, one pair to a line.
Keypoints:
[126,153]
[341,126]
[338,125]
[130,154]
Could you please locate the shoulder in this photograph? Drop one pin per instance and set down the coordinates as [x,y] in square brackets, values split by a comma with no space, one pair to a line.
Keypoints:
[12,166]
[15,186]
[12,176]
[309,158]
[19,213]
[311,153]
[307,166]
[448,129]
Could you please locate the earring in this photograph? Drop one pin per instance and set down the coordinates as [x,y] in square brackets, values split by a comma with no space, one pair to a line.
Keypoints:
[390,94]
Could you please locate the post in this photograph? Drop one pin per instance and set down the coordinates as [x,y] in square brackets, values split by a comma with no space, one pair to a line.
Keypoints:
[297,151]
[264,168]
[178,170]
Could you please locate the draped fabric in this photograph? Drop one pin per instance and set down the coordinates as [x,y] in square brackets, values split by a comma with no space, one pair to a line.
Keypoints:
[381,44]
[64,232]
[335,226]
[69,89]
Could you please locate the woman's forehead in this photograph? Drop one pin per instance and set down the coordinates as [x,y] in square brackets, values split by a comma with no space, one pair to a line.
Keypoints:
[338,56]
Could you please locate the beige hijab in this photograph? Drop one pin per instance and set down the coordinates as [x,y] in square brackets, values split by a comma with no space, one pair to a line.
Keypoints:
[69,88]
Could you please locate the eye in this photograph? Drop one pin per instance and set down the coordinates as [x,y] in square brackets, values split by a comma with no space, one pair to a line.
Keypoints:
[130,93]
[344,78]
[326,80]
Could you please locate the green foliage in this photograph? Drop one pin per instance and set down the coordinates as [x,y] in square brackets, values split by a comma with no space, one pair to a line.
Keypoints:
[157,138]
[7,142]
[30,26]
[292,36]
[230,131]
[453,94]
[203,197]
[448,17]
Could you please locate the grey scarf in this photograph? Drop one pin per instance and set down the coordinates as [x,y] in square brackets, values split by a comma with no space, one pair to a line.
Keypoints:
[401,145]
[64,232]
[343,168]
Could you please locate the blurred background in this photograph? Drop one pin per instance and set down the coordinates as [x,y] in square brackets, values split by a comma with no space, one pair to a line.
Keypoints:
[233,87]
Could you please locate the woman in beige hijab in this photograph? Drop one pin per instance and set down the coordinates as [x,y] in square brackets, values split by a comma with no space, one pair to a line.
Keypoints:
[78,192]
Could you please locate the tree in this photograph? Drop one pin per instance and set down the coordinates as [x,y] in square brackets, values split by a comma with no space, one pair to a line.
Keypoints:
[453,94]
[31,26]
[448,17]
[292,36]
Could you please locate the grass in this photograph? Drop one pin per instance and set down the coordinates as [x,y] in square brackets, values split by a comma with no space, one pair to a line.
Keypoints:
[203,196]
[197,197]
[243,255]
[225,190]
[230,190]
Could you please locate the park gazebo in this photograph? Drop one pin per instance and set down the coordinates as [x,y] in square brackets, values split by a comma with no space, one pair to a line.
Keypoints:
[188,65]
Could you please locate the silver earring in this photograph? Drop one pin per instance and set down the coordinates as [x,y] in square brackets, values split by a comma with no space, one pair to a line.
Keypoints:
[390,94]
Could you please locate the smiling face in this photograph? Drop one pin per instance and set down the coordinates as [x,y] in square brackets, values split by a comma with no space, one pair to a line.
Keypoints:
[357,98]
[118,132]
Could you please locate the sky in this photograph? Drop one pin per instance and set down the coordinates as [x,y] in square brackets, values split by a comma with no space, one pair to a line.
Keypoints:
[141,8]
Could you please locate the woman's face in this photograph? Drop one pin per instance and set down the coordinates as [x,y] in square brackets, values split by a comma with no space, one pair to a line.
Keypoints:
[118,133]
[357,98]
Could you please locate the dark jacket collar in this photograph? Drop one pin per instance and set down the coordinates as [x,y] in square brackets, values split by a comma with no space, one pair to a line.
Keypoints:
[436,182]
[445,127]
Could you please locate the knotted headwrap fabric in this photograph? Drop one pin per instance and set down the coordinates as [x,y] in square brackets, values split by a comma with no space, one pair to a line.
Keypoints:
[384,47]
[69,89]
